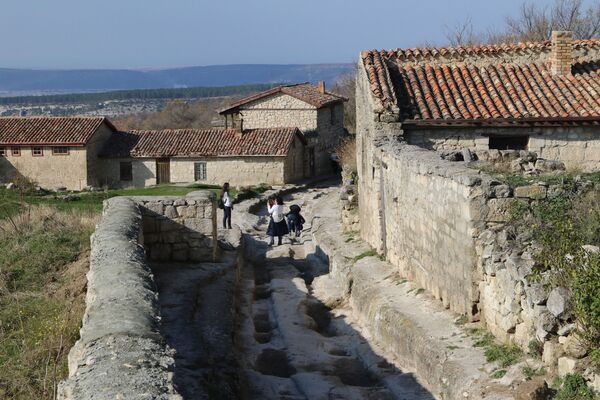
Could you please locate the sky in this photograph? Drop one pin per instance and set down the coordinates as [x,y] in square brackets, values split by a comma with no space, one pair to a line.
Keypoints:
[73,34]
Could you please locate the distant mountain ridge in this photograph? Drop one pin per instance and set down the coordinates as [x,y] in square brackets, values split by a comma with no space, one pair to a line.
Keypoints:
[26,80]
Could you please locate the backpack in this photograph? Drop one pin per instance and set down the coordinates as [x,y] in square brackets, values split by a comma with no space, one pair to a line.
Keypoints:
[221,204]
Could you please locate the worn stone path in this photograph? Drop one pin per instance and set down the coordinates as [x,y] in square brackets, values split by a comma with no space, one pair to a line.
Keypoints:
[291,346]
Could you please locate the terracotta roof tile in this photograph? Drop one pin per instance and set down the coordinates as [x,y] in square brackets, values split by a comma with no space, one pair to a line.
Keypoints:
[74,131]
[484,83]
[198,142]
[304,91]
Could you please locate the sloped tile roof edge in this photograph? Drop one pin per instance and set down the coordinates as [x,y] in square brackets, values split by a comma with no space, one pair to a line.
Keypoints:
[189,143]
[332,98]
[50,130]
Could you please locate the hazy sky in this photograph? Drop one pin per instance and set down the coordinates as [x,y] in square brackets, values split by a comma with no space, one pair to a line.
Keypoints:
[167,33]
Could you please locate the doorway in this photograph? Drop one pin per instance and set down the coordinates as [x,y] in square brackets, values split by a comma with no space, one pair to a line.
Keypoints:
[311,161]
[163,171]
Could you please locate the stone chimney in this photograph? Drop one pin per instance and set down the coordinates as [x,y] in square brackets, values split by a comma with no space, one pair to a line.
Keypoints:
[321,86]
[561,59]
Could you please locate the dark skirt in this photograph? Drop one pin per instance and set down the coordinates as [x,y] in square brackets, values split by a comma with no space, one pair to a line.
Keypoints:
[277,228]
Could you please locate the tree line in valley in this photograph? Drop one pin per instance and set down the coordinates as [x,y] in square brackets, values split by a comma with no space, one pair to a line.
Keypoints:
[137,94]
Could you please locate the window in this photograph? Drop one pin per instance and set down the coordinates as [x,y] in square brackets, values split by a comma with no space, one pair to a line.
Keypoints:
[332,115]
[125,171]
[60,150]
[200,171]
[37,151]
[2,152]
[509,142]
[16,151]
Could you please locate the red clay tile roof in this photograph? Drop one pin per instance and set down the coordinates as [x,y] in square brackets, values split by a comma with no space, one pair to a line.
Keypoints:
[198,142]
[72,131]
[303,91]
[504,82]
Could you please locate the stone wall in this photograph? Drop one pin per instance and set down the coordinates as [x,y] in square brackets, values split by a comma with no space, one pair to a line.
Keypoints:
[180,229]
[279,110]
[577,147]
[121,353]
[238,171]
[49,170]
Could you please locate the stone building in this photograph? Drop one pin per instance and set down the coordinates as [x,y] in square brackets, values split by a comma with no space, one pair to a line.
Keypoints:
[543,97]
[318,113]
[53,152]
[212,156]
[445,225]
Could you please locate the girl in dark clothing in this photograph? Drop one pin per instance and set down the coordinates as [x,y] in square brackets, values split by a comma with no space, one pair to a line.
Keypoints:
[227,203]
[295,220]
[277,224]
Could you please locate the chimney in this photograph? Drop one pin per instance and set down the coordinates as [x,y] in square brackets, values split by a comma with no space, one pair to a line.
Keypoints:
[321,86]
[562,53]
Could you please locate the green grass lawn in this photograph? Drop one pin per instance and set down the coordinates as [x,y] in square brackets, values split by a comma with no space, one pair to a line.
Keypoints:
[91,201]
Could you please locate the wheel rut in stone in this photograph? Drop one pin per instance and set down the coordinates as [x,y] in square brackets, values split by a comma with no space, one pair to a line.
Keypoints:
[292,346]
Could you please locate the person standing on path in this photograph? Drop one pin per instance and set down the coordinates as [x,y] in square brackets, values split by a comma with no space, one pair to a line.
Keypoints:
[277,226]
[227,203]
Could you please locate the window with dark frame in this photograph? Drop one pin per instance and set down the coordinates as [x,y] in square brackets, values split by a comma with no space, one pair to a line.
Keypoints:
[502,142]
[125,171]
[37,151]
[332,115]
[199,171]
[16,151]
[60,150]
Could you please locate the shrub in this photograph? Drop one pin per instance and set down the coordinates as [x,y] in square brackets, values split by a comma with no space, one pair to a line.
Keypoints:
[346,150]
[574,388]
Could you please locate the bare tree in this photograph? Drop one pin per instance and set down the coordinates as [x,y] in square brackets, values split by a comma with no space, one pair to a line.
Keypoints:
[535,23]
[346,86]
[462,34]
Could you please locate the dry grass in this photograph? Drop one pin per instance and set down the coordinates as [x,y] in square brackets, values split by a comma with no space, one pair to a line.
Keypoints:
[347,153]
[43,264]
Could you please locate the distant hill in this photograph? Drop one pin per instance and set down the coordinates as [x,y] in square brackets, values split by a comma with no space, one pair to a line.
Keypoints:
[21,81]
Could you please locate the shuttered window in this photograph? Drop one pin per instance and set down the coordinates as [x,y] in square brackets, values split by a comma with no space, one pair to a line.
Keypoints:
[199,171]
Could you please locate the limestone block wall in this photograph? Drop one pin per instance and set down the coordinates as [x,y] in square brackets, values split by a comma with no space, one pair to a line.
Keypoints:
[577,147]
[120,349]
[143,171]
[280,110]
[121,353]
[180,229]
[48,170]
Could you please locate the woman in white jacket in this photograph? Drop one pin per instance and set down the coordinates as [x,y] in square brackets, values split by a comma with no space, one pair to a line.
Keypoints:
[277,225]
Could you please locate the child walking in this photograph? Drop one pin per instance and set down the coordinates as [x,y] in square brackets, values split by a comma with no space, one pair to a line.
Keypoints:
[277,225]
[295,220]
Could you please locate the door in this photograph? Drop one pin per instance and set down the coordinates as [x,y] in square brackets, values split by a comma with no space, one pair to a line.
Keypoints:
[163,171]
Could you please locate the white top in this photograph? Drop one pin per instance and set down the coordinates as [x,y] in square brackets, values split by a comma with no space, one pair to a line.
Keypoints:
[276,212]
[227,201]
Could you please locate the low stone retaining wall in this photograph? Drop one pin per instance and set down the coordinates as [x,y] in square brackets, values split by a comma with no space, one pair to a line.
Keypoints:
[179,229]
[121,353]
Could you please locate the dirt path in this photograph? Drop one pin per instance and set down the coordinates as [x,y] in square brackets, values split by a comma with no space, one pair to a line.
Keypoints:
[291,346]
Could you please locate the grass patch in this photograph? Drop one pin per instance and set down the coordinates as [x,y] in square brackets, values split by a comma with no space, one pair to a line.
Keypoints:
[536,348]
[368,253]
[463,319]
[574,387]
[40,312]
[498,374]
[504,354]
[419,291]
[530,373]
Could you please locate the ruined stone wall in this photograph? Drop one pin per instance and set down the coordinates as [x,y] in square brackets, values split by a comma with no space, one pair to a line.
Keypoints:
[179,229]
[121,352]
[577,147]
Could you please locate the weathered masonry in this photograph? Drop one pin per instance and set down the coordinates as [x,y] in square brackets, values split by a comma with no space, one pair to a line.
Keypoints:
[121,352]
[541,97]
[426,214]
[318,113]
